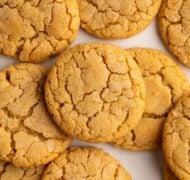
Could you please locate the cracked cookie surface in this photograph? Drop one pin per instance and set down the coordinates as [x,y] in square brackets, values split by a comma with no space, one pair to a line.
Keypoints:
[113,19]
[11,172]
[85,163]
[95,92]
[168,174]
[34,30]
[165,83]
[28,136]
[176,139]
[174,22]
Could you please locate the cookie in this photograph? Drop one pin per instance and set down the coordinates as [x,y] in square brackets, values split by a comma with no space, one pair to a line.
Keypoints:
[111,19]
[32,31]
[165,83]
[85,163]
[168,174]
[174,25]
[95,92]
[11,172]
[28,136]
[176,137]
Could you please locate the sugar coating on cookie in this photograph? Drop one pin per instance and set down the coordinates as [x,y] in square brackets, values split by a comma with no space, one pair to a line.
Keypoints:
[176,138]
[95,92]
[165,83]
[34,30]
[115,19]
[168,174]
[85,163]
[174,18]
[28,136]
[11,172]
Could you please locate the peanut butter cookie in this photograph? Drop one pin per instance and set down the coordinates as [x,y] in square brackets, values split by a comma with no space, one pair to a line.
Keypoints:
[165,83]
[174,21]
[28,136]
[34,30]
[176,138]
[168,174]
[95,92]
[115,19]
[85,163]
[11,172]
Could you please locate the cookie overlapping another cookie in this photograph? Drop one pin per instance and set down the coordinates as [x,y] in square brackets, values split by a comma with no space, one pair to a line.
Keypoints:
[95,92]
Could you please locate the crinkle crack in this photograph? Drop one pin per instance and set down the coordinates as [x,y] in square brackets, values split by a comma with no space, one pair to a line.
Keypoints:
[176,138]
[28,135]
[117,19]
[9,171]
[93,92]
[155,67]
[85,163]
[174,23]
[35,30]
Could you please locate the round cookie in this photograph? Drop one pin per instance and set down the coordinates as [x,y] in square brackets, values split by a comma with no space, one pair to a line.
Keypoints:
[176,138]
[33,30]
[174,18]
[28,136]
[168,174]
[165,83]
[85,163]
[112,19]
[95,92]
[11,172]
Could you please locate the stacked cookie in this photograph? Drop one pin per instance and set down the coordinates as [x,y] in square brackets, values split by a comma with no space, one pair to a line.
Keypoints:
[135,99]
[95,92]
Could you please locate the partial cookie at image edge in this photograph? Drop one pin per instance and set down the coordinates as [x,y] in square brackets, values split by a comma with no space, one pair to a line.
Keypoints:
[11,172]
[164,81]
[32,31]
[95,163]
[176,138]
[174,28]
[28,135]
[117,19]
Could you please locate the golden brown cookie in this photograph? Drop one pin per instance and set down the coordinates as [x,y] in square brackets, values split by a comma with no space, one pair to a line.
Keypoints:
[28,136]
[165,83]
[95,92]
[168,174]
[176,138]
[174,22]
[33,30]
[85,163]
[11,172]
[115,19]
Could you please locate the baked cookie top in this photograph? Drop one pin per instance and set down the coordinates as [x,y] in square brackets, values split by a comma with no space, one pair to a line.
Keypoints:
[176,137]
[11,172]
[95,92]
[28,136]
[174,21]
[85,163]
[168,174]
[165,83]
[34,30]
[112,19]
